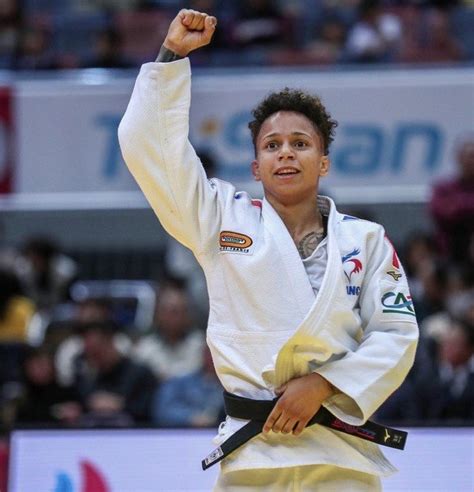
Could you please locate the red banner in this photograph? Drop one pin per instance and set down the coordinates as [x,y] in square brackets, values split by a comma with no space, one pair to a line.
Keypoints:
[6,140]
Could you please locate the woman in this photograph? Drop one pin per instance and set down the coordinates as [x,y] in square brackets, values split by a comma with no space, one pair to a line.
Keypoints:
[305,303]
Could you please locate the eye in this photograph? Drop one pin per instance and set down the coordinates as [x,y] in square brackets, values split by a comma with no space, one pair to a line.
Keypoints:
[300,144]
[271,146]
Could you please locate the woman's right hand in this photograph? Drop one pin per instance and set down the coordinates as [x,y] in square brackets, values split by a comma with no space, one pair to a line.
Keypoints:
[188,31]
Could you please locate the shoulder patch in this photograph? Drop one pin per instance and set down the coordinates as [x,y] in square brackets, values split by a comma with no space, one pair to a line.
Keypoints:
[349,217]
[234,241]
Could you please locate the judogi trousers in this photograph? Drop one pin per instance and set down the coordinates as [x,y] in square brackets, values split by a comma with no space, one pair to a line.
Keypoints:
[314,478]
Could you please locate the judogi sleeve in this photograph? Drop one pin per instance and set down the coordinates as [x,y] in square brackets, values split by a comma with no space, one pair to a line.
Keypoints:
[368,375]
[153,136]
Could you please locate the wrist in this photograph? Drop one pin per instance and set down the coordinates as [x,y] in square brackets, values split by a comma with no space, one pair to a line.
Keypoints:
[166,55]
[327,388]
[175,48]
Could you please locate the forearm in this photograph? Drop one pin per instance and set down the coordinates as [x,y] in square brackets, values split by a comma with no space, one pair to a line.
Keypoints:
[367,377]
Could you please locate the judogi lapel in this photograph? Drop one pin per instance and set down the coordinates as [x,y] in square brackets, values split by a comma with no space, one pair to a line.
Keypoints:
[293,358]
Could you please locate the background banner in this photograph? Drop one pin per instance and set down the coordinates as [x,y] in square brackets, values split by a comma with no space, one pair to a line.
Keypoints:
[6,140]
[396,134]
[170,460]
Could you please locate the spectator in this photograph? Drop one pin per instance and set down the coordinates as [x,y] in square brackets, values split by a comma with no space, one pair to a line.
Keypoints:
[112,388]
[419,251]
[44,400]
[452,207]
[458,302]
[108,52]
[401,407]
[375,36]
[10,25]
[194,400]
[431,40]
[260,23]
[462,304]
[16,310]
[46,273]
[34,48]
[328,45]
[88,311]
[434,276]
[449,394]
[111,5]
[175,346]
[325,48]
[8,254]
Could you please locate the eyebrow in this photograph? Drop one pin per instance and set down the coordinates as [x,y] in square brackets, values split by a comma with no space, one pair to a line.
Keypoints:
[275,134]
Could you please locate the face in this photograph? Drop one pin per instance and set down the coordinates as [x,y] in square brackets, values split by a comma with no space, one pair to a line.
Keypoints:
[172,313]
[289,159]
[39,370]
[454,347]
[466,160]
[90,310]
[96,344]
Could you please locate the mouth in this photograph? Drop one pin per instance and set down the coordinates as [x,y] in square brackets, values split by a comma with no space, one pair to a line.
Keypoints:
[286,172]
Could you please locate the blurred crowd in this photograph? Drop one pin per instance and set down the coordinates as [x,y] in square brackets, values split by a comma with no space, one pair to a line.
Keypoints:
[65,34]
[75,352]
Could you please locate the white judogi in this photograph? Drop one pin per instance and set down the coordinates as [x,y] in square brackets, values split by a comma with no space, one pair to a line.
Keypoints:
[266,326]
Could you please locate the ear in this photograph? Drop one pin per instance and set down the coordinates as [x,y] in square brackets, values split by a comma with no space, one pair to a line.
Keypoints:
[324,165]
[256,170]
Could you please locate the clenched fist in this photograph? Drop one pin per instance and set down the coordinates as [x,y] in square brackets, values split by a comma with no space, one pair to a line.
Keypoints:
[189,30]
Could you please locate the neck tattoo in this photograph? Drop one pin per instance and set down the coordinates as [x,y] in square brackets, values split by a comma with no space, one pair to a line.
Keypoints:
[309,243]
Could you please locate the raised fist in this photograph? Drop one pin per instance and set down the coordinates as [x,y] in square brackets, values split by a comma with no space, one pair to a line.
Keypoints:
[189,30]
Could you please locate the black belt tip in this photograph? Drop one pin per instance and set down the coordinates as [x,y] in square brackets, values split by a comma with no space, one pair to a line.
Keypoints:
[213,458]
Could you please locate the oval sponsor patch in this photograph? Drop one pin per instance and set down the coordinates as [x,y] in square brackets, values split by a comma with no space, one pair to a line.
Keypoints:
[229,239]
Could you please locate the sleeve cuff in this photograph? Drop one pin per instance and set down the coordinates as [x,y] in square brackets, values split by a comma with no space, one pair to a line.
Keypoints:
[341,405]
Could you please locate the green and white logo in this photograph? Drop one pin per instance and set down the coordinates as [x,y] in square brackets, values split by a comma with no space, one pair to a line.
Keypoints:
[397,302]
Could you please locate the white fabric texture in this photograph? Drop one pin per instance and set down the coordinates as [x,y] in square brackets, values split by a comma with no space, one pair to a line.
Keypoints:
[319,478]
[266,325]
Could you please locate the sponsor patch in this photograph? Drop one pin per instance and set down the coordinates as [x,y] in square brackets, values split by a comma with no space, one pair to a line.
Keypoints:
[395,272]
[234,241]
[397,302]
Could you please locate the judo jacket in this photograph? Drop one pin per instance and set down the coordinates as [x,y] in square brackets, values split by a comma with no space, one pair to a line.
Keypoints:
[265,324]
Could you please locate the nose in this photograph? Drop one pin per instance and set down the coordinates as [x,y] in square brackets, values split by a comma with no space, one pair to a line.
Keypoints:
[286,151]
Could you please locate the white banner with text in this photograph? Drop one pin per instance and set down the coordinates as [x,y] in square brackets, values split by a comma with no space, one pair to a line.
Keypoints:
[397,129]
[170,460]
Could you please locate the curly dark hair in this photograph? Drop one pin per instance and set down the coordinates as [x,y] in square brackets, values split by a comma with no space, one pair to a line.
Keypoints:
[300,102]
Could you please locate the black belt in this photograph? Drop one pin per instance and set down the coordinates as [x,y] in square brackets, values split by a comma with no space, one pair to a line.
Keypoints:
[257,412]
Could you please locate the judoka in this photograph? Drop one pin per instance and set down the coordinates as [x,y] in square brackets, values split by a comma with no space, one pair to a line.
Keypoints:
[305,303]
